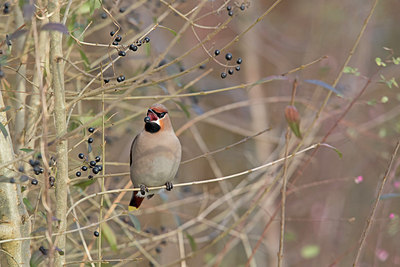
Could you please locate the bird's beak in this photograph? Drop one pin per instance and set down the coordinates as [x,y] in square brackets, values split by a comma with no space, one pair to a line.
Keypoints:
[151,117]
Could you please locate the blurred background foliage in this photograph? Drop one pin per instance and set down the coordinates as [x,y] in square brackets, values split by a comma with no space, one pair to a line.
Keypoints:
[329,197]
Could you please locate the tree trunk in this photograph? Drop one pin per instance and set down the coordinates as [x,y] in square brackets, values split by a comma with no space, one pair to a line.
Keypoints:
[14,219]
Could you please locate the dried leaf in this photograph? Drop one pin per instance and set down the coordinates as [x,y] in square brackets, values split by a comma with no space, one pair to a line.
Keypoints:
[55,27]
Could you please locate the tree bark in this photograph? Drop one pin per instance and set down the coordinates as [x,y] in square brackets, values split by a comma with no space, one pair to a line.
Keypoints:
[14,219]
[57,84]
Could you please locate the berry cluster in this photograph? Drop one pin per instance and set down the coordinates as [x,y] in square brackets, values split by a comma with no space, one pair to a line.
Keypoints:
[6,8]
[89,164]
[117,38]
[37,170]
[242,7]
[134,47]
[229,57]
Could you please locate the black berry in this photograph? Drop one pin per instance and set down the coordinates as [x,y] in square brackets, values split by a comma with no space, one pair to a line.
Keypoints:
[78,174]
[228,56]
[122,9]
[115,43]
[146,39]
[229,8]
[90,140]
[118,38]
[122,53]
[81,156]
[112,33]
[139,43]
[92,163]
[100,167]
[217,52]
[239,61]
[106,80]
[12,180]
[36,170]
[133,47]
[84,168]
[41,170]
[34,182]
[223,75]
[21,169]
[242,7]
[103,15]
[121,78]
[202,67]
[96,234]
[237,68]
[52,180]
[90,176]
[230,71]
[230,13]
[91,130]
[158,250]
[97,158]
[95,170]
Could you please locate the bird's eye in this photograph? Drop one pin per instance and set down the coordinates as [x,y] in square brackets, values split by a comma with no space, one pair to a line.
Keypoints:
[161,115]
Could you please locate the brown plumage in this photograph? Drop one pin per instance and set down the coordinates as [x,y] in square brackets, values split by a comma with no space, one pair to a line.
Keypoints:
[155,155]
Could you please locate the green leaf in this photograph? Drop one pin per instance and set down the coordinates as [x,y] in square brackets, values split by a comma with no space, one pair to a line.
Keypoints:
[351,70]
[97,122]
[110,236]
[85,59]
[169,29]
[325,85]
[135,221]
[84,9]
[28,204]
[396,61]
[36,258]
[295,127]
[4,109]
[379,62]
[3,130]
[27,150]
[310,251]
[148,49]
[393,81]
[82,185]
[192,242]
[94,4]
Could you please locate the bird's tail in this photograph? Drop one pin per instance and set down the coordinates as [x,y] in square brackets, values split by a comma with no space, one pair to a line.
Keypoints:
[135,201]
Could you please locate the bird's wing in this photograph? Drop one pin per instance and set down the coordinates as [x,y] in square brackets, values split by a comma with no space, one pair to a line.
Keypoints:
[130,153]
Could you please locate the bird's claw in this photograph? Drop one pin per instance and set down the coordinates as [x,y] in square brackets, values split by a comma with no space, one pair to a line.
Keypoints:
[169,186]
[143,189]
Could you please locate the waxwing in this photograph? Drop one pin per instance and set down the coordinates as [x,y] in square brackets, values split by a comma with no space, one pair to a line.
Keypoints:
[155,155]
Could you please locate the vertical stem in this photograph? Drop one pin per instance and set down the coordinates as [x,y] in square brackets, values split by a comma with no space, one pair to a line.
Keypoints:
[14,219]
[57,84]
[371,217]
[102,179]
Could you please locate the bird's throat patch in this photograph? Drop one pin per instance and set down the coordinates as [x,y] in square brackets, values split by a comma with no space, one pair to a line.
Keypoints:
[152,127]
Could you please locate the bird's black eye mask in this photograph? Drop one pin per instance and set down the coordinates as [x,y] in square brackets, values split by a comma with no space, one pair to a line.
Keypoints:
[159,115]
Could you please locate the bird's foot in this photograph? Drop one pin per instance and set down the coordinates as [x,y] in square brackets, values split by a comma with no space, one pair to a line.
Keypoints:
[169,186]
[143,189]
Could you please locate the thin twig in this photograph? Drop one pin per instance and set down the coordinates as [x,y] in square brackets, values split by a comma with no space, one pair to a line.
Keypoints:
[370,219]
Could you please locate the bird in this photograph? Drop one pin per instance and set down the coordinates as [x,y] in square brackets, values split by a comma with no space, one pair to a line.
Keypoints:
[155,155]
